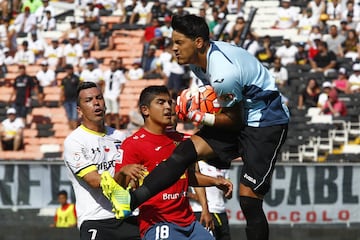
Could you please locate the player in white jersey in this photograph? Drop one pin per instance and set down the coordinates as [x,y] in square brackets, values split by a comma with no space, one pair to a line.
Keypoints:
[215,202]
[253,116]
[89,150]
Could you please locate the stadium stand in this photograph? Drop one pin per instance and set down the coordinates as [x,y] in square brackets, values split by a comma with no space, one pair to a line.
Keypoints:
[311,137]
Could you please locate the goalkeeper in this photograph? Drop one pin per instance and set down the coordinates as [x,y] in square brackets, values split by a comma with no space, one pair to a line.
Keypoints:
[89,150]
[253,117]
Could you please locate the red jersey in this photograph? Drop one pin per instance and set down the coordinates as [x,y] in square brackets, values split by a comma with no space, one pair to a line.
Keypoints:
[170,205]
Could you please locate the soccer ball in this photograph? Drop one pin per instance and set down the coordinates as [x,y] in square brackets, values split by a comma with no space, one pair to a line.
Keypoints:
[208,102]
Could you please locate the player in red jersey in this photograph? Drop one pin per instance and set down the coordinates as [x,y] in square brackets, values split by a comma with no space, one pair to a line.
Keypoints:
[168,214]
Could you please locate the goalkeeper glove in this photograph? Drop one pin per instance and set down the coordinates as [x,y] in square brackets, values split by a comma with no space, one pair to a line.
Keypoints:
[201,117]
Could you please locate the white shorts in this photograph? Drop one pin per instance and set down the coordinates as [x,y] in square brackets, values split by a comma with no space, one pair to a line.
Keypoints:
[112,106]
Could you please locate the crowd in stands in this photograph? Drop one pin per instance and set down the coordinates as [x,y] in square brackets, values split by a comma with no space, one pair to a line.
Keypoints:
[325,62]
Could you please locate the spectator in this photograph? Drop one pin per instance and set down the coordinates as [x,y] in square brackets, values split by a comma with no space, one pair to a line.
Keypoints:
[91,13]
[234,6]
[166,31]
[309,96]
[121,65]
[302,56]
[54,54]
[72,51]
[214,22]
[220,30]
[37,45]
[87,41]
[42,11]
[33,5]
[354,78]
[237,28]
[334,9]
[343,28]
[72,30]
[114,85]
[313,48]
[152,34]
[251,44]
[287,16]
[334,106]
[341,83]
[48,23]
[82,62]
[351,8]
[334,40]
[279,73]
[318,7]
[108,5]
[11,132]
[46,76]
[68,96]
[177,78]
[4,6]
[8,59]
[350,23]
[323,97]
[141,14]
[104,40]
[314,34]
[24,23]
[306,21]
[180,11]
[21,94]
[129,10]
[136,72]
[150,60]
[351,45]
[24,56]
[266,51]
[4,33]
[162,12]
[286,52]
[65,216]
[92,73]
[324,61]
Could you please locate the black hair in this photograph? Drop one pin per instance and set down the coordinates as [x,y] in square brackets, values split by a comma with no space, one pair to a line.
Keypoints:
[191,26]
[149,93]
[63,192]
[82,86]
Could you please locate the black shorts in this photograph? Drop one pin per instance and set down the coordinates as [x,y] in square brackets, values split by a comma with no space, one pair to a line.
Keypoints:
[258,148]
[110,229]
[224,143]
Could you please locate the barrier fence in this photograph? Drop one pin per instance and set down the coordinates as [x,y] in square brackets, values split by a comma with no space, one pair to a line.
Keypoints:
[300,193]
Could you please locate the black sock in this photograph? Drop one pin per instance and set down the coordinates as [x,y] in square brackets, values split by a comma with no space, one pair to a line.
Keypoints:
[166,173]
[257,227]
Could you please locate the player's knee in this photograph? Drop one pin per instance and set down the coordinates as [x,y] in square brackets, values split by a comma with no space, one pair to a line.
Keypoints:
[252,209]
[185,153]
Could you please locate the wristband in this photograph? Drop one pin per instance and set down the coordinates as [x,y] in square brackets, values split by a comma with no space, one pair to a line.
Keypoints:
[209,119]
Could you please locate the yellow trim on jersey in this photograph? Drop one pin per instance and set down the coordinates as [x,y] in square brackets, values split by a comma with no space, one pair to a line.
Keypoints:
[92,131]
[218,218]
[86,170]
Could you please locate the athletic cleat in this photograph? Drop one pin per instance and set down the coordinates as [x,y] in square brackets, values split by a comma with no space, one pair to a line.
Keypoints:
[118,196]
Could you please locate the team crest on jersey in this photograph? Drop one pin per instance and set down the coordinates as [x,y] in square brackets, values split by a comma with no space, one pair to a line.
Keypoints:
[117,146]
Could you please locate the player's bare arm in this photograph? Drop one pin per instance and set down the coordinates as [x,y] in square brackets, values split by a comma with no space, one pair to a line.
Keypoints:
[200,180]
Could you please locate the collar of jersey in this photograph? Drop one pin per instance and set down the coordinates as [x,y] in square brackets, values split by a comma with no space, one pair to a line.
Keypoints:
[92,131]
